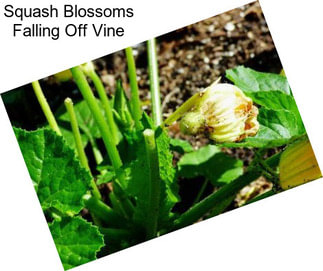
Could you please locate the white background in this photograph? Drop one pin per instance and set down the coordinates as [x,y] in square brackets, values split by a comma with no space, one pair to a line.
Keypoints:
[283,232]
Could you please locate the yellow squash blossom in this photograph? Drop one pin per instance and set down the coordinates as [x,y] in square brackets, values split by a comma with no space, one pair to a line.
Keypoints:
[224,113]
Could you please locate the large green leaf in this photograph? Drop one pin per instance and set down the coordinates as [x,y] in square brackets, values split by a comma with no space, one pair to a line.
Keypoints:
[250,80]
[279,118]
[211,163]
[77,241]
[58,178]
[277,100]
[277,128]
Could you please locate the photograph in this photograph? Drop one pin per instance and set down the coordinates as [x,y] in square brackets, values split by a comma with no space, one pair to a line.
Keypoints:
[160,135]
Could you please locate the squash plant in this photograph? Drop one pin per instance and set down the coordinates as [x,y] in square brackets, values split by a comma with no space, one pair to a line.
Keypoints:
[87,222]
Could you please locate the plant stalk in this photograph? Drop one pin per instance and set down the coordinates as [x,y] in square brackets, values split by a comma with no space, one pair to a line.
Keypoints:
[187,106]
[106,104]
[104,212]
[135,101]
[154,82]
[207,204]
[154,184]
[78,142]
[87,93]
[45,107]
[112,150]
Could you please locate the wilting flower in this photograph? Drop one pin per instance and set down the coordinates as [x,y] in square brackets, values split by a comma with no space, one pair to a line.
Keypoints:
[298,165]
[224,113]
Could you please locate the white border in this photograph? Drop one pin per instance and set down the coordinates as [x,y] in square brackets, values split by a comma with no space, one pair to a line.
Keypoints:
[283,232]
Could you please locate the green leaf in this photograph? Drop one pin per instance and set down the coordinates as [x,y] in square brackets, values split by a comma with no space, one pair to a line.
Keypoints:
[121,107]
[211,163]
[279,118]
[180,146]
[169,195]
[58,178]
[250,80]
[77,241]
[277,128]
[106,177]
[277,100]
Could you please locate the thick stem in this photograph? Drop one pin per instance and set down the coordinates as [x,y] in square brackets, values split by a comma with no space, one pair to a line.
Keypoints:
[106,104]
[87,93]
[154,184]
[45,107]
[154,82]
[187,105]
[76,133]
[207,204]
[112,150]
[104,212]
[135,101]
[78,143]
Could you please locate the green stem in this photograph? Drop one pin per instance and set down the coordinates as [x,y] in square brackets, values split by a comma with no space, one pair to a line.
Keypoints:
[78,142]
[200,193]
[265,166]
[135,101]
[87,93]
[45,107]
[112,150]
[106,104]
[76,133]
[219,208]
[154,184]
[104,212]
[154,82]
[207,204]
[187,105]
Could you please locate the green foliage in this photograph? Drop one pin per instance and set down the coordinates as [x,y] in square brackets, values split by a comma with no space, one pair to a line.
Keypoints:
[77,241]
[279,118]
[250,80]
[122,108]
[58,178]
[180,146]
[61,183]
[210,163]
[277,128]
[64,187]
